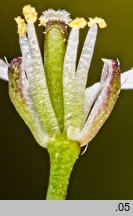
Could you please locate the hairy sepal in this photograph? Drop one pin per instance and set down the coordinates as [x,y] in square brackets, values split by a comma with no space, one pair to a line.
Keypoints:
[110,81]
[20,97]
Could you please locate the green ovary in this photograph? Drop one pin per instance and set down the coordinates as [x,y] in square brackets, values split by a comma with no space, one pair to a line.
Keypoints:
[53,58]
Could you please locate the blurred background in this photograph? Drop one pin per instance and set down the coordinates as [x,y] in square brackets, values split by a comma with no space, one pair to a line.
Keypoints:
[105,171]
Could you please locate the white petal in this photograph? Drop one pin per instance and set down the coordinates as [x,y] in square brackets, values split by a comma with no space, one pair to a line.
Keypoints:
[91,94]
[3,70]
[127,80]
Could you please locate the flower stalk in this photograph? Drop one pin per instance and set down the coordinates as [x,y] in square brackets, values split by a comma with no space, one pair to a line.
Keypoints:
[63,155]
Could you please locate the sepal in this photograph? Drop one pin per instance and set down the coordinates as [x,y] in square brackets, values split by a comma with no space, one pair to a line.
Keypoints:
[105,102]
[20,97]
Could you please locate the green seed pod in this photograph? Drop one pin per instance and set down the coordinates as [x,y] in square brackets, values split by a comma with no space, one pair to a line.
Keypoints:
[55,23]
[53,64]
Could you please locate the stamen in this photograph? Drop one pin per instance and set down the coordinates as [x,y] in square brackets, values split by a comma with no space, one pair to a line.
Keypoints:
[22,28]
[69,84]
[37,82]
[99,21]
[30,14]
[84,65]
[52,15]
[78,22]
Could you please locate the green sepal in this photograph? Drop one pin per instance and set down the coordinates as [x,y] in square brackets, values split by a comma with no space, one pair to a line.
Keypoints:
[21,100]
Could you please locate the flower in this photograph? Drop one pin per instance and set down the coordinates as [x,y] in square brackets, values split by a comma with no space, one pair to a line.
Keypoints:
[44,96]
[51,95]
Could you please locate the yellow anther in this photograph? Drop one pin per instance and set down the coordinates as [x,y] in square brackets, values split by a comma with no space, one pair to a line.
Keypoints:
[99,21]
[42,21]
[30,14]
[78,22]
[22,28]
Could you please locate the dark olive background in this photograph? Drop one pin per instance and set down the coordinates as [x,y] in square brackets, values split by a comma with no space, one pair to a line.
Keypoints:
[105,171]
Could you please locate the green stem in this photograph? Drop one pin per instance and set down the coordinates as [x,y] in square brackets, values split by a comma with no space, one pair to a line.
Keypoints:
[63,155]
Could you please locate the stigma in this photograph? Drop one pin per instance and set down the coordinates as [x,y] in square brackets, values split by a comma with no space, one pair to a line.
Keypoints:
[51,15]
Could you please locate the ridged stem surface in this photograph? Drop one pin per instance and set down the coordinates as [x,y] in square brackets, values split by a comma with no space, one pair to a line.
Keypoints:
[63,155]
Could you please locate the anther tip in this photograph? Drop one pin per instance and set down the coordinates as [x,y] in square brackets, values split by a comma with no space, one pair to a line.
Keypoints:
[99,21]
[30,14]
[22,28]
[78,22]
